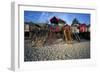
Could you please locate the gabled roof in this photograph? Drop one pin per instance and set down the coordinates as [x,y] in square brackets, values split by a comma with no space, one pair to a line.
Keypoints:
[83,24]
[56,20]
[61,21]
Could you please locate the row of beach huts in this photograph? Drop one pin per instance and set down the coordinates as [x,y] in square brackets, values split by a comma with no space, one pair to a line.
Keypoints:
[75,31]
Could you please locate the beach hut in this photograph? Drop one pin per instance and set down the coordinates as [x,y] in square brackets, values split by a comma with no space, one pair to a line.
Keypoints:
[56,27]
[75,24]
[88,28]
[82,28]
[75,32]
[84,31]
[61,23]
[26,30]
[57,22]
[88,32]
[67,33]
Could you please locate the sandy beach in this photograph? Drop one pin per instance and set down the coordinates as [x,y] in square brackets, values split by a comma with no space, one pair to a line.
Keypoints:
[57,51]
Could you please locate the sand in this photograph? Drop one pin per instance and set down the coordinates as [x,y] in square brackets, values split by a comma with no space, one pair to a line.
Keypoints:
[57,51]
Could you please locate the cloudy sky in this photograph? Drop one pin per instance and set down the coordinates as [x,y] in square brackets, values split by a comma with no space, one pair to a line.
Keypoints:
[42,17]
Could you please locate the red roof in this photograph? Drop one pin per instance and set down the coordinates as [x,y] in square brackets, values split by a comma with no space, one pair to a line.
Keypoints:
[54,19]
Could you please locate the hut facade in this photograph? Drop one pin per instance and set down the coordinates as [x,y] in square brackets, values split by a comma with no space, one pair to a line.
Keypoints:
[83,28]
[57,22]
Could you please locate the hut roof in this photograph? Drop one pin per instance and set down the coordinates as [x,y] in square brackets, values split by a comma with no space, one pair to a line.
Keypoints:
[83,24]
[56,20]
[61,21]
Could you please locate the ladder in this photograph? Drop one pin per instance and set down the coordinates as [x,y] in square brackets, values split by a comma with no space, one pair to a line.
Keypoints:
[76,36]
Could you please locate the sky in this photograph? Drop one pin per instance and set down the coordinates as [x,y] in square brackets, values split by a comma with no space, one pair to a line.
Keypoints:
[43,17]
